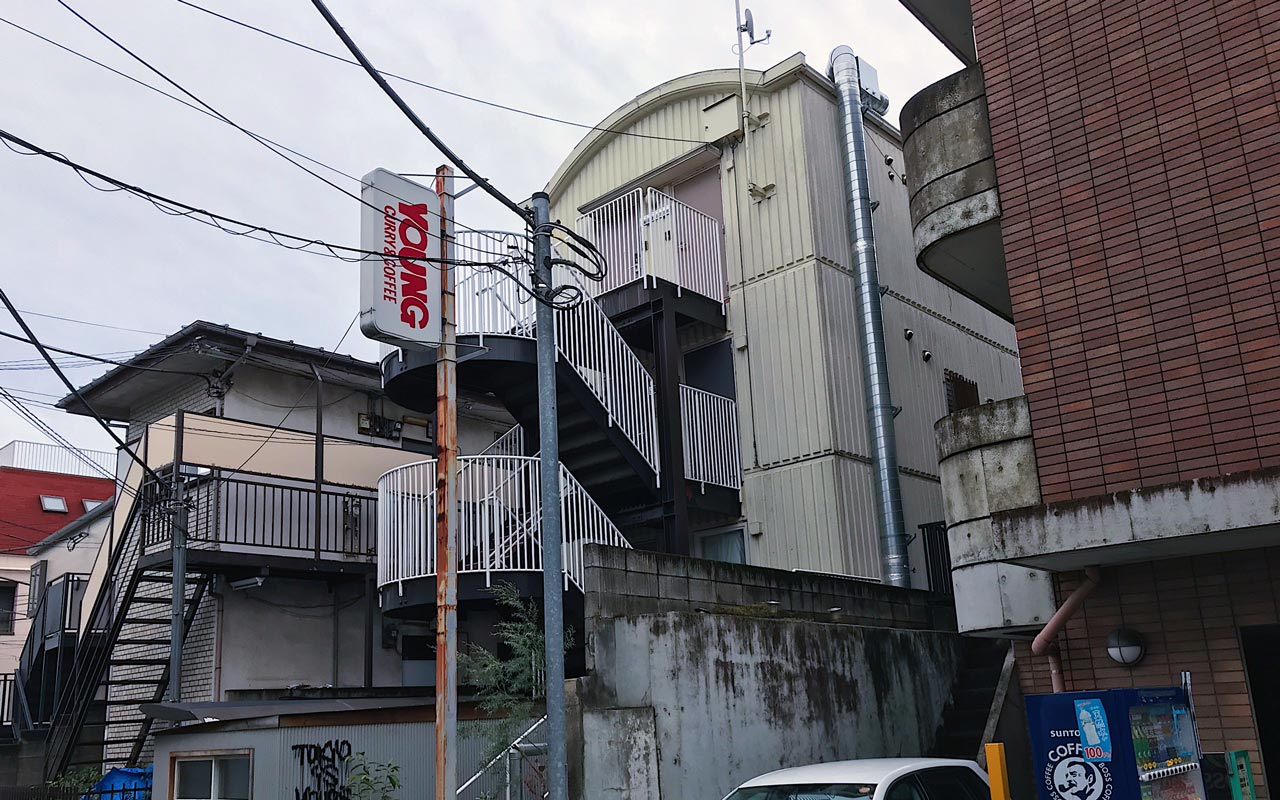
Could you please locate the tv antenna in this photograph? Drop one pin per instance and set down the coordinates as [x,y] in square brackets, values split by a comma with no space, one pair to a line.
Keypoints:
[747,24]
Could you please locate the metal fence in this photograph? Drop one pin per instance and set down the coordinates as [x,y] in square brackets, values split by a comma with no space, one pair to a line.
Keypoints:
[937,557]
[7,684]
[499,524]
[271,514]
[54,793]
[53,458]
[709,427]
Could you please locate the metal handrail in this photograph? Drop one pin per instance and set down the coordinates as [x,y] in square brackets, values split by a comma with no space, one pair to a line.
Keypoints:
[406,520]
[502,757]
[686,247]
[709,428]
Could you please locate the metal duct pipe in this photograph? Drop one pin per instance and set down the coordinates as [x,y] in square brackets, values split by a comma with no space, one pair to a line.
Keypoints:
[843,70]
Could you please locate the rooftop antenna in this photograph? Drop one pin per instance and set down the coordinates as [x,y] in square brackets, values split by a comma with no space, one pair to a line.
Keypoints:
[747,24]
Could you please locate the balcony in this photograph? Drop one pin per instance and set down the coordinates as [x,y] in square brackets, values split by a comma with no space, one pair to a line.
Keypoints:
[646,235]
[47,654]
[499,531]
[951,177]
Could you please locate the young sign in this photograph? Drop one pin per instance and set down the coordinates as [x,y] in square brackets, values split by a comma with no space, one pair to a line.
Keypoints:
[400,293]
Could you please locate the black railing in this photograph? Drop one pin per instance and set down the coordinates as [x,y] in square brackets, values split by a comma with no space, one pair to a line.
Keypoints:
[937,557]
[271,513]
[55,793]
[45,661]
[7,698]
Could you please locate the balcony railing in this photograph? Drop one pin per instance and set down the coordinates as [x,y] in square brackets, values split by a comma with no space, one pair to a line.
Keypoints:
[270,516]
[499,524]
[647,234]
[709,426]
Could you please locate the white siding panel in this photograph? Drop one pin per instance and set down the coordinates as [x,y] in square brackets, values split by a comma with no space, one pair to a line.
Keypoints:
[921,505]
[844,361]
[796,510]
[856,482]
[786,377]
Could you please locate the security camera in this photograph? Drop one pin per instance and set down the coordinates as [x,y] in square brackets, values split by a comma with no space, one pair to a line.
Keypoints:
[248,583]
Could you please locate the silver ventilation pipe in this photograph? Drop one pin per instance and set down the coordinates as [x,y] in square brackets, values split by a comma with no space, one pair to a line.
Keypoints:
[844,71]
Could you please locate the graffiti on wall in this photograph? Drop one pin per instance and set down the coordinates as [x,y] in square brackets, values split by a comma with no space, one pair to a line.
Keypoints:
[322,770]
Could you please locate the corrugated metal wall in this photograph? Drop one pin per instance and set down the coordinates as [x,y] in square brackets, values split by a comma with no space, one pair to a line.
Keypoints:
[807,492]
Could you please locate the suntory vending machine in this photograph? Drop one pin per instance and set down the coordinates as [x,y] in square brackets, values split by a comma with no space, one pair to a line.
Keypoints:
[1118,744]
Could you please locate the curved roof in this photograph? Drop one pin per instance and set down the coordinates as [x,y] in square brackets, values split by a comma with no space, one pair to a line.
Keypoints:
[706,82]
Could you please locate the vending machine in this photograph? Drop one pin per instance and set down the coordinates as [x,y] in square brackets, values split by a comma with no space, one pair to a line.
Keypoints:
[1119,744]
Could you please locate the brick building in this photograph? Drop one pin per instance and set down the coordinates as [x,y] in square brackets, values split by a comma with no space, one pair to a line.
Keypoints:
[1105,175]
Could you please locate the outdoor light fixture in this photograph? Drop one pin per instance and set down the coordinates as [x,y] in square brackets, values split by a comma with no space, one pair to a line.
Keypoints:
[907,333]
[1125,646]
[926,355]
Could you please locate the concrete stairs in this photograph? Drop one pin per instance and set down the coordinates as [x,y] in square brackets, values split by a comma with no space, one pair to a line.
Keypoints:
[965,719]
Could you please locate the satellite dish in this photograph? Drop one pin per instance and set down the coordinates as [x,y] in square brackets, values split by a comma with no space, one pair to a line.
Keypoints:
[749,24]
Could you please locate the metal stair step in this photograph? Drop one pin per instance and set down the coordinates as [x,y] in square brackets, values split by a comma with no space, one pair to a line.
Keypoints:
[147,621]
[144,642]
[132,682]
[139,662]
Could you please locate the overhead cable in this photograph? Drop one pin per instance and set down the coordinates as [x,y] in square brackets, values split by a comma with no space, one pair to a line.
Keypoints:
[441,90]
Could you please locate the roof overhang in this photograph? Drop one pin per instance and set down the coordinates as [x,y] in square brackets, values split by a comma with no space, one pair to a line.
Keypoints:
[951,22]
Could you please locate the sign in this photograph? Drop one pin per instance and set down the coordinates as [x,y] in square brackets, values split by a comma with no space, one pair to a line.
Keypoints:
[1095,737]
[1240,775]
[399,293]
[1058,750]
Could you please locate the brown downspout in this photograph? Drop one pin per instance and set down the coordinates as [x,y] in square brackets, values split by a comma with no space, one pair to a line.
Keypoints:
[1046,642]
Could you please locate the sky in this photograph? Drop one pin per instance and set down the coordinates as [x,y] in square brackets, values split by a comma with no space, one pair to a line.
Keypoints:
[113,259]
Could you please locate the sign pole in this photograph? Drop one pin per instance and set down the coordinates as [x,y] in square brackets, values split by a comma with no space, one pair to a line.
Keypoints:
[446,510]
[552,557]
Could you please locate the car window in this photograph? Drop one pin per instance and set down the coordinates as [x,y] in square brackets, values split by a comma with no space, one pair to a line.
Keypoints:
[905,789]
[953,783]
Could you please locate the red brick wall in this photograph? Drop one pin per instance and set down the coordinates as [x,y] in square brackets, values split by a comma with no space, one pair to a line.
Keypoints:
[1137,148]
[1189,612]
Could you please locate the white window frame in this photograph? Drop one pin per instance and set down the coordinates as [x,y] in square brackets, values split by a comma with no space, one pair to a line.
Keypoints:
[212,756]
[738,527]
[53,503]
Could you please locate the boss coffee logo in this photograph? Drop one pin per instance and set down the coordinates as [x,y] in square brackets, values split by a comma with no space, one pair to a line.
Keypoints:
[1068,776]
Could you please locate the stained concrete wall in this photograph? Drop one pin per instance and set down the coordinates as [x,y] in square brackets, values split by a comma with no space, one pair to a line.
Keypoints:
[702,674]
[733,696]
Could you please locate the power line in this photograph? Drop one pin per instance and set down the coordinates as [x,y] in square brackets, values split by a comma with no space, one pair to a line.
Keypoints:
[101,360]
[44,353]
[218,114]
[441,90]
[31,313]
[408,112]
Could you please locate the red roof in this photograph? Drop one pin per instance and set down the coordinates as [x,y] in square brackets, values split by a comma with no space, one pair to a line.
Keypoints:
[23,521]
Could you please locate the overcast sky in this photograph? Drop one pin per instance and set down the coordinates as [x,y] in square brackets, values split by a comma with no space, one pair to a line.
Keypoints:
[110,258]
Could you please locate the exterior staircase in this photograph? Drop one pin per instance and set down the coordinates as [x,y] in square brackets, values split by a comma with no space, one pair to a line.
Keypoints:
[964,722]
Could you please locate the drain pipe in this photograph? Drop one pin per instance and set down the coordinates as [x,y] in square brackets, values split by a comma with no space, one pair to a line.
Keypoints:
[843,70]
[1046,642]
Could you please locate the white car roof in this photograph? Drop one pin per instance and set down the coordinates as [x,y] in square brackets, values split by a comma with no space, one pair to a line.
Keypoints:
[867,770]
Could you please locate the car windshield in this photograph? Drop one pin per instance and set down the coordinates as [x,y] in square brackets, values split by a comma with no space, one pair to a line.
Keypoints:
[806,791]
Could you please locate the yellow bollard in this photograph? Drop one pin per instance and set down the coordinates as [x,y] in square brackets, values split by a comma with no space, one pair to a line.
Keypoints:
[998,772]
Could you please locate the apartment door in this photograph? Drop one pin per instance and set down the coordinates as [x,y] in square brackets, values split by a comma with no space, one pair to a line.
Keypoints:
[1261,645]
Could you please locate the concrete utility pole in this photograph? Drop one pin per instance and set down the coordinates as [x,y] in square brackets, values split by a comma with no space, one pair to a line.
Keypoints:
[552,558]
[178,550]
[446,511]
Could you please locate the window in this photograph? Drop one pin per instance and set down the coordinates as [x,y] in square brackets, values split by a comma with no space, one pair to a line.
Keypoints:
[8,606]
[907,788]
[953,783]
[726,546]
[51,503]
[961,392]
[90,505]
[212,778]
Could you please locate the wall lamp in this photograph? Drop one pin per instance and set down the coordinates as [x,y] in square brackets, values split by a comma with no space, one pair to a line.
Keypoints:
[1125,646]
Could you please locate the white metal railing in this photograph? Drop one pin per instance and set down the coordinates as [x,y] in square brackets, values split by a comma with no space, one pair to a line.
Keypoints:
[617,230]
[43,457]
[709,427]
[649,234]
[510,443]
[499,521]
[489,303]
[496,779]
[685,247]
[588,340]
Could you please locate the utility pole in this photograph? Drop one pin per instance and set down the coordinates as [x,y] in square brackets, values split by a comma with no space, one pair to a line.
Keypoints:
[446,510]
[552,557]
[177,508]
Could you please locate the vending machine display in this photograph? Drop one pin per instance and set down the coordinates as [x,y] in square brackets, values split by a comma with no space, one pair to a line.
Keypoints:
[1121,744]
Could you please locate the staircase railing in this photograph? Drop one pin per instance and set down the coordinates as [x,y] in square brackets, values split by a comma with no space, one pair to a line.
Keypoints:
[502,541]
[709,427]
[510,443]
[490,304]
[56,614]
[617,230]
[494,779]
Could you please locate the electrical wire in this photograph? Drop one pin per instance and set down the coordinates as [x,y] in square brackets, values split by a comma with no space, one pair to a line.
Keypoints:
[218,114]
[44,353]
[441,90]
[31,313]
[452,157]
[99,359]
